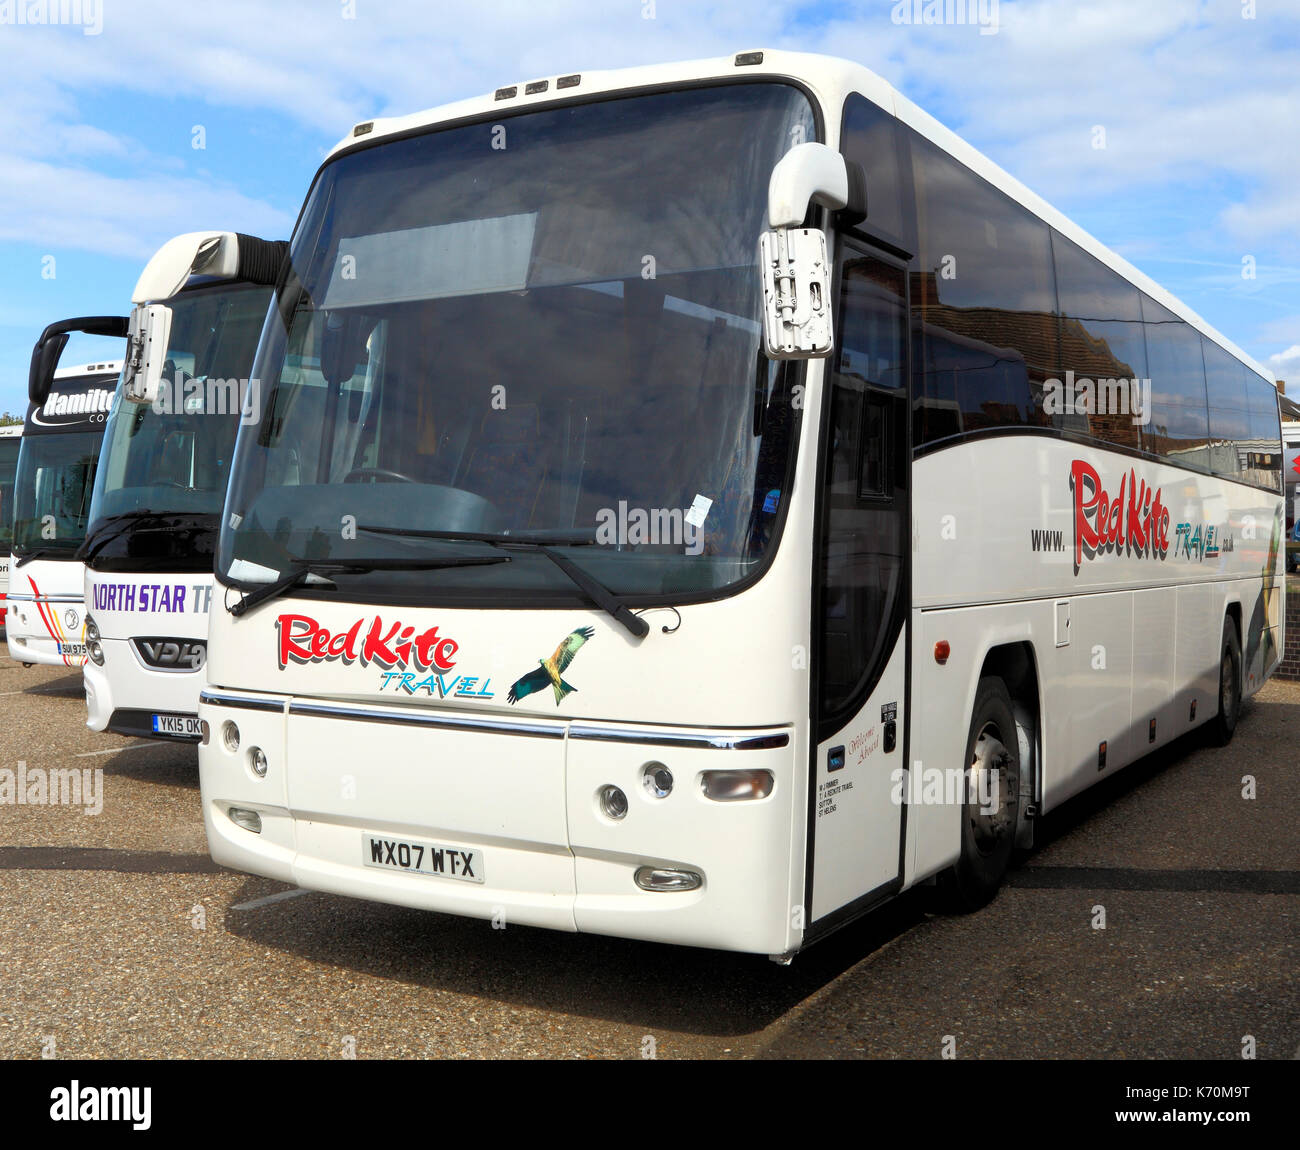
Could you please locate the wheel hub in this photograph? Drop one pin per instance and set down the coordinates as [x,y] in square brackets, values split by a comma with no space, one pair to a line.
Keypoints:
[994,789]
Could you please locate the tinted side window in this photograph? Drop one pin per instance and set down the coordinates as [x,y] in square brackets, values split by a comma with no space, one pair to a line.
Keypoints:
[870,137]
[1102,344]
[1180,424]
[1229,412]
[1263,460]
[984,303]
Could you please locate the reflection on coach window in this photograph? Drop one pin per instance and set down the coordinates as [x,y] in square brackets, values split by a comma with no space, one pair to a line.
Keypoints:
[1101,339]
[1179,427]
[986,302]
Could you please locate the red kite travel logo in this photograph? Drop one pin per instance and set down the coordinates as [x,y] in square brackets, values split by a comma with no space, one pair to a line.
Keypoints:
[1102,524]
[303,640]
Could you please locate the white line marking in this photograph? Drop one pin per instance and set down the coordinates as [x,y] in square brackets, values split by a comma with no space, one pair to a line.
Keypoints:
[270,898]
[117,750]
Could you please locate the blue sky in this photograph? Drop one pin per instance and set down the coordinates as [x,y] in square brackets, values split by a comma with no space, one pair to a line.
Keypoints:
[1198,99]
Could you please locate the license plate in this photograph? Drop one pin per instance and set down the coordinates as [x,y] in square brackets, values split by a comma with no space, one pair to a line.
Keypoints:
[72,649]
[177,725]
[422,858]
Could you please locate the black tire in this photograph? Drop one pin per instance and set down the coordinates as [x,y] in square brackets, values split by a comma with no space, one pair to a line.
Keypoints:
[988,831]
[1219,730]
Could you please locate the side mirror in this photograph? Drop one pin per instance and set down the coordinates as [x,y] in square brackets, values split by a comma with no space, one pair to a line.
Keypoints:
[48,349]
[793,259]
[146,352]
[796,294]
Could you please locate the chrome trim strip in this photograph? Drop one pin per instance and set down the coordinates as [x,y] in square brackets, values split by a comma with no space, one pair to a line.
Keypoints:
[425,719]
[731,741]
[49,598]
[218,700]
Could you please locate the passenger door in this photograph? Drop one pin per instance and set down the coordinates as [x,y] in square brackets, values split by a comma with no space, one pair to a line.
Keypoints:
[859,659]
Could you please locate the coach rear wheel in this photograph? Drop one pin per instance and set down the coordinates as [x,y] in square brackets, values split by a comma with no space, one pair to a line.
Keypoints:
[991,802]
[1220,730]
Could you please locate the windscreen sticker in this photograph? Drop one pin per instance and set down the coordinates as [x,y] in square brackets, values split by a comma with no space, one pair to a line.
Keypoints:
[699,511]
[549,672]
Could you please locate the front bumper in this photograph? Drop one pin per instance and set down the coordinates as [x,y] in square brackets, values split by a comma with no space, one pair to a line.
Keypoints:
[523,794]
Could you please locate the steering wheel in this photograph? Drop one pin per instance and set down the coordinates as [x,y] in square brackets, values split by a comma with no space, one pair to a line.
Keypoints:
[358,474]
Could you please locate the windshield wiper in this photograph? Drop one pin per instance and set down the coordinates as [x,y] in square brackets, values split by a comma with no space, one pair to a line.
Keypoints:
[301,569]
[113,528]
[596,591]
[577,538]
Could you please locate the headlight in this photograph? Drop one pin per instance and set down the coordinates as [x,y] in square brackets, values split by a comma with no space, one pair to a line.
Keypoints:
[92,632]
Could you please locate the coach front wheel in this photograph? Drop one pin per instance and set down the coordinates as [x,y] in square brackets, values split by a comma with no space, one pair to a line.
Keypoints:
[991,802]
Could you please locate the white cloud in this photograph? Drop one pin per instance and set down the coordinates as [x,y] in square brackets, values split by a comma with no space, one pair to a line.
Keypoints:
[77,208]
[1286,365]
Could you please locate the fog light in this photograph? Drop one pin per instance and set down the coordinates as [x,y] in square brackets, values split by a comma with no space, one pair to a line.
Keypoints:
[257,761]
[660,879]
[249,820]
[95,651]
[613,802]
[733,786]
[92,630]
[658,780]
[230,736]
[205,733]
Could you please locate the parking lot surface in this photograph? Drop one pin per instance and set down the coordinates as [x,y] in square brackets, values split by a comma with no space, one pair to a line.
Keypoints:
[120,938]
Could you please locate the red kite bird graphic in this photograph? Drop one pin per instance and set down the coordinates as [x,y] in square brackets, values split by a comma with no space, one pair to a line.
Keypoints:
[549,672]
